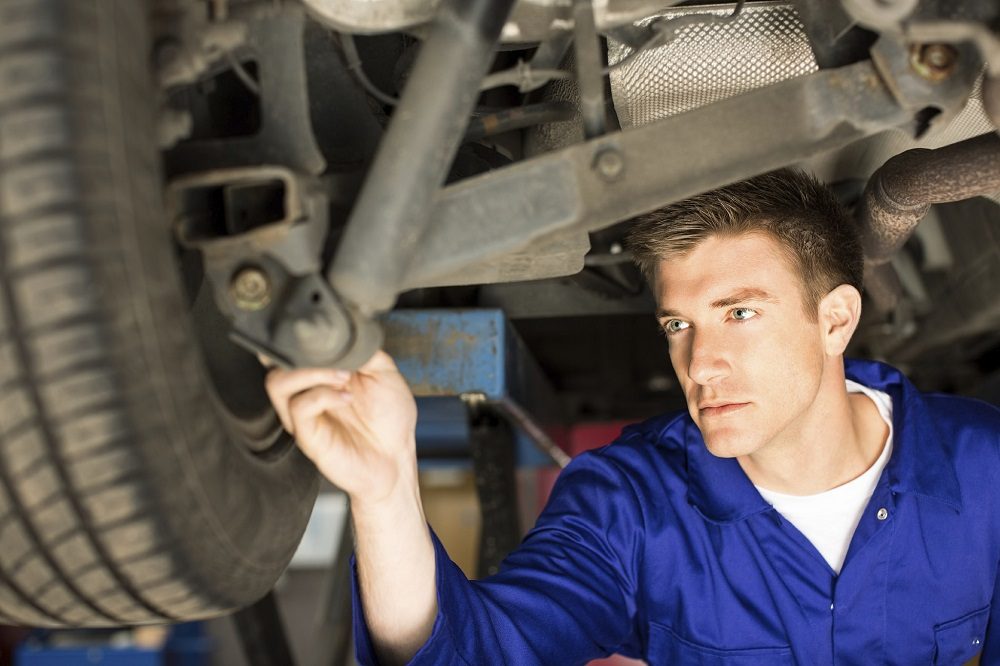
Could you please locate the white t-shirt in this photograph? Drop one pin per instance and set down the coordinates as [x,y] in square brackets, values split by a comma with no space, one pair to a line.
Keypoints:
[829,519]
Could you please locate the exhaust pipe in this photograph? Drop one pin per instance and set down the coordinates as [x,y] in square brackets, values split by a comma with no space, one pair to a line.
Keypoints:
[900,193]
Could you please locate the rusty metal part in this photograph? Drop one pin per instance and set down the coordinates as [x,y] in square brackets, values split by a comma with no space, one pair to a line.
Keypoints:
[899,194]
[934,62]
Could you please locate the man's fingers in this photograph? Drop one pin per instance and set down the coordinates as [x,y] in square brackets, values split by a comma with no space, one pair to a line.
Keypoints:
[283,384]
[380,361]
[307,408]
[286,383]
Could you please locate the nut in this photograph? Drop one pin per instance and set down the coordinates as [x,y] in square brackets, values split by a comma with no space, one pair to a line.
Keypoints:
[934,62]
[250,289]
[610,164]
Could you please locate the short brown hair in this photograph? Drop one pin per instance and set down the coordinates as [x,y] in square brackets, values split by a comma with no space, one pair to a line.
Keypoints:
[795,209]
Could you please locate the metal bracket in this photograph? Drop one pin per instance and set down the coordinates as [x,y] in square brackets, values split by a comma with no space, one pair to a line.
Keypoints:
[261,232]
[273,36]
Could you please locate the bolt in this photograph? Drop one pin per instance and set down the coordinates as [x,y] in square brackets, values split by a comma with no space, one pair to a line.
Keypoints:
[934,62]
[250,289]
[610,164]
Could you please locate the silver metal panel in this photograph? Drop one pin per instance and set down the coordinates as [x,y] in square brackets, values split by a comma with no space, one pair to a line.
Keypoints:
[709,60]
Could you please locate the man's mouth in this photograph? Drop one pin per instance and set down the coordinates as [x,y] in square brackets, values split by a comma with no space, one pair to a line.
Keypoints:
[720,408]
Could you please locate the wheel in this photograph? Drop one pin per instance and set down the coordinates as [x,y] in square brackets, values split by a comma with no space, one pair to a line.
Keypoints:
[132,490]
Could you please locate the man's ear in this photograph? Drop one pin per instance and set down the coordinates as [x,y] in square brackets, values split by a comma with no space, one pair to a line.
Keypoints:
[839,314]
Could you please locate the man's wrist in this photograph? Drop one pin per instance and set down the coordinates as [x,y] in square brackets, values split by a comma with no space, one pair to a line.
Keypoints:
[399,500]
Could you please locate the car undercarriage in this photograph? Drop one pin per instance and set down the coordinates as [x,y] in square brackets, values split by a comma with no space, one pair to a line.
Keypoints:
[189,185]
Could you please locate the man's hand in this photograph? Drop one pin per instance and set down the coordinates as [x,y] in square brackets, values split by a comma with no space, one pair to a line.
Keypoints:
[357,427]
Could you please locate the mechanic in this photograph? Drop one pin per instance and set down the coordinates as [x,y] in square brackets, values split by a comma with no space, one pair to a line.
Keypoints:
[804,509]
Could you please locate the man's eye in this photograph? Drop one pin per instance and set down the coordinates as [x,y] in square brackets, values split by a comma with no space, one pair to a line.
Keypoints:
[742,314]
[675,326]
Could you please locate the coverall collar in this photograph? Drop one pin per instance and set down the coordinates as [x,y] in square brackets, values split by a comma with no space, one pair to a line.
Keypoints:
[720,491]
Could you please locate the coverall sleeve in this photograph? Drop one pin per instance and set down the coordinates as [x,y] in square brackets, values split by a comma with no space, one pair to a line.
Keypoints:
[566,595]
[991,646]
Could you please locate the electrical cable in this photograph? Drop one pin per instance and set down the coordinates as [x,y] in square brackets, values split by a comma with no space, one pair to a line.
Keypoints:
[242,74]
[354,65]
[519,117]
[524,77]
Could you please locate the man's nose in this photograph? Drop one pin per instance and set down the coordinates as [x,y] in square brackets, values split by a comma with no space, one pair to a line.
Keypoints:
[708,364]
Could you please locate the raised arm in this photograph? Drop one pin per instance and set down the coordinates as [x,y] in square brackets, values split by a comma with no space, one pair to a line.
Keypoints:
[358,428]
[566,595]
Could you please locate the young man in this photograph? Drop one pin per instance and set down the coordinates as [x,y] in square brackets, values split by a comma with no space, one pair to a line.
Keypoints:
[803,510]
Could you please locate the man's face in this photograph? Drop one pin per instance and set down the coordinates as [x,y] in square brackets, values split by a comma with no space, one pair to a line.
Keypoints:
[747,357]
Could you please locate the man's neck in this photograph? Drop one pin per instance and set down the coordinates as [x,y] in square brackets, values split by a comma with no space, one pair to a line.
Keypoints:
[835,441]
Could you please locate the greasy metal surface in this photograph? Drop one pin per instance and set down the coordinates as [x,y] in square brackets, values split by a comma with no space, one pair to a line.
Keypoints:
[709,61]
[899,194]
[499,213]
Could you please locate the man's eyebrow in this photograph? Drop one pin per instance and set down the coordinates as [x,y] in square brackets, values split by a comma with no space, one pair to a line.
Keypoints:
[739,296]
[663,314]
[743,295]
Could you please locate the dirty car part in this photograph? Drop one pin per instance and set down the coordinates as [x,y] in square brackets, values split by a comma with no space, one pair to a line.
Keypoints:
[260,232]
[393,207]
[114,451]
[565,190]
[901,192]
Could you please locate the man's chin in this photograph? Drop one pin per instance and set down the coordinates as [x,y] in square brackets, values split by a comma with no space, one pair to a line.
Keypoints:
[727,443]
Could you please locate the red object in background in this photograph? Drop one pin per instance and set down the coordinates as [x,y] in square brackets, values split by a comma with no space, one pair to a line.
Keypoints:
[574,441]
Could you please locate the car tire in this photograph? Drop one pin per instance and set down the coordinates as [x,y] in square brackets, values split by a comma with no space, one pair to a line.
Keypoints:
[125,495]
